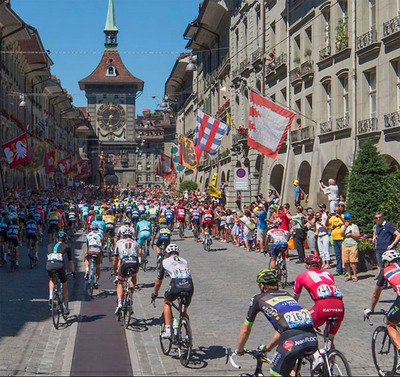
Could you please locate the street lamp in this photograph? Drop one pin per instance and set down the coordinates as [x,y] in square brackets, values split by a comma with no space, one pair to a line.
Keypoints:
[192,63]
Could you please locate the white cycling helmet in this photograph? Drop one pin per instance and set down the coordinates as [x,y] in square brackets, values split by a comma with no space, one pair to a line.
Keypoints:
[127,232]
[390,255]
[172,249]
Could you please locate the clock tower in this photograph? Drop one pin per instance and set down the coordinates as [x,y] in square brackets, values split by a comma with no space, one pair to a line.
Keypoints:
[111,92]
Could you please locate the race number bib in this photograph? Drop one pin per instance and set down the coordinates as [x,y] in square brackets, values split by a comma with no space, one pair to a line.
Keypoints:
[298,318]
[55,257]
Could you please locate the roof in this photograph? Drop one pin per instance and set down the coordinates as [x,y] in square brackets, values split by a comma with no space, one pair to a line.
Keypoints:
[111,24]
[123,77]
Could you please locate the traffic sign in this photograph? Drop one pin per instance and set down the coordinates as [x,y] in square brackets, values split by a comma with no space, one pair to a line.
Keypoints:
[241,179]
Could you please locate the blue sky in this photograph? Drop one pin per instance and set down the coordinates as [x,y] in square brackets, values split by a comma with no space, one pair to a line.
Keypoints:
[149,40]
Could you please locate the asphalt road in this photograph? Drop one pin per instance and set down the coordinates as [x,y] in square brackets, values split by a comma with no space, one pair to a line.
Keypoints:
[94,343]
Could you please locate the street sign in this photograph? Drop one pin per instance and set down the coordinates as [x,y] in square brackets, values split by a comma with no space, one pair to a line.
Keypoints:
[241,179]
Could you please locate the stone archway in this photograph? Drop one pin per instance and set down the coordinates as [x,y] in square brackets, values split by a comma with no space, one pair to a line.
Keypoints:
[337,170]
[304,176]
[111,179]
[257,166]
[238,164]
[391,163]
[276,178]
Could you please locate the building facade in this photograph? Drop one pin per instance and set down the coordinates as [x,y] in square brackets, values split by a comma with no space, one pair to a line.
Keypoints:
[334,63]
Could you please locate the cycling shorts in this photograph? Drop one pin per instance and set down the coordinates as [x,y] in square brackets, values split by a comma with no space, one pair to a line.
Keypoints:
[32,237]
[110,231]
[207,224]
[165,241]
[393,315]
[143,238]
[3,235]
[176,287]
[59,268]
[278,248]
[13,241]
[128,267]
[169,219]
[95,251]
[181,219]
[53,228]
[293,344]
[326,308]
[195,219]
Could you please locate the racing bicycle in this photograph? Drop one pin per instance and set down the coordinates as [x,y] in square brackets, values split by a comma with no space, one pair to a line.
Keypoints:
[92,281]
[126,311]
[56,303]
[207,240]
[280,265]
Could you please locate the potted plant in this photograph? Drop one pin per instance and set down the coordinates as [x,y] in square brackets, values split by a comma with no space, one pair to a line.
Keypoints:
[307,53]
[298,72]
[366,253]
[296,59]
[342,38]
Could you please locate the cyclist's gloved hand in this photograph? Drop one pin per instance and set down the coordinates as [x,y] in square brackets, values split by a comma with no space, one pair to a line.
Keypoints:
[153,296]
[263,348]
[241,353]
[73,274]
[367,313]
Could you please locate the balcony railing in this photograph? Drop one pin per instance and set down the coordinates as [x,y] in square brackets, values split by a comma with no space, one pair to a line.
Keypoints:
[342,45]
[342,123]
[325,127]
[303,134]
[367,39]
[277,63]
[244,64]
[392,119]
[295,74]
[367,125]
[391,27]
[257,54]
[325,53]
[235,72]
[307,67]
[239,137]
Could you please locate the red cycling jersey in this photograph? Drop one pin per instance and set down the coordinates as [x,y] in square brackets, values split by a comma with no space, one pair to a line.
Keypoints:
[392,275]
[207,215]
[181,212]
[320,284]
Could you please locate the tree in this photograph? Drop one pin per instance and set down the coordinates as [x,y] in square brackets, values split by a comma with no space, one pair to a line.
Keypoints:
[391,205]
[188,185]
[368,186]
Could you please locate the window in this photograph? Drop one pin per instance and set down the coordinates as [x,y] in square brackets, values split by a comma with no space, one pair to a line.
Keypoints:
[372,14]
[111,71]
[147,177]
[157,178]
[258,23]
[345,86]
[148,155]
[309,106]
[327,87]
[397,66]
[343,7]
[298,105]
[309,34]
[327,26]
[139,166]
[139,177]
[371,79]
[297,47]
[245,36]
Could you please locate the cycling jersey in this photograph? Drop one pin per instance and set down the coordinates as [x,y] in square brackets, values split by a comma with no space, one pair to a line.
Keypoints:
[392,275]
[195,215]
[169,215]
[320,284]
[176,267]
[31,227]
[72,216]
[207,215]
[143,227]
[126,248]
[94,239]
[12,231]
[164,232]
[109,220]
[152,213]
[54,217]
[281,309]
[180,212]
[277,235]
[4,223]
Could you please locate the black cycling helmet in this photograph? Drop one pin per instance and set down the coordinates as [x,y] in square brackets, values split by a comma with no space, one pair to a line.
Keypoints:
[62,235]
[268,276]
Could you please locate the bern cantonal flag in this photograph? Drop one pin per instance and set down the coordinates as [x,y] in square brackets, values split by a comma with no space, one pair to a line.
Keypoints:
[16,150]
[187,153]
[268,125]
[209,133]
[65,165]
[50,161]
[165,167]
[38,159]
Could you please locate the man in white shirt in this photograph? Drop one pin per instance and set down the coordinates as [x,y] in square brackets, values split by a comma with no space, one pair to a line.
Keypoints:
[333,193]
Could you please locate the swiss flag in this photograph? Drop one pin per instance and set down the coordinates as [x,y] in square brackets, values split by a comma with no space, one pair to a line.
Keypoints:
[65,165]
[268,125]
[50,161]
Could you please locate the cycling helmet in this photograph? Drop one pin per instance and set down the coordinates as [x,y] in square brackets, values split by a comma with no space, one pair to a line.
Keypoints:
[313,260]
[91,212]
[31,214]
[267,276]
[62,235]
[127,232]
[390,255]
[95,226]
[99,218]
[172,249]
[162,220]
[127,221]
[347,216]
[143,216]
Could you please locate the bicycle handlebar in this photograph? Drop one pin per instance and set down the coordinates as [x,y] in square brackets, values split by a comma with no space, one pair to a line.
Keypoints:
[381,312]
[232,360]
[257,354]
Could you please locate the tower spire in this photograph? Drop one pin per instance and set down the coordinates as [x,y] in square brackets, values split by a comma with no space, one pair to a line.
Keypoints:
[111,30]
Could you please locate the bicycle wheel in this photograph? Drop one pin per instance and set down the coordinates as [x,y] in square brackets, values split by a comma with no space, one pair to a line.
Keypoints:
[337,364]
[181,230]
[55,310]
[208,244]
[283,272]
[110,251]
[185,341]
[144,257]
[128,309]
[384,353]
[91,279]
[165,344]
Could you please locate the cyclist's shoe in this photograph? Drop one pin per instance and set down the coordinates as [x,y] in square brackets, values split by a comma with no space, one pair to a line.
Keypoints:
[86,275]
[166,335]
[148,252]
[36,258]
[317,364]
[16,263]
[96,286]
[118,310]
[159,257]
[50,302]
[65,308]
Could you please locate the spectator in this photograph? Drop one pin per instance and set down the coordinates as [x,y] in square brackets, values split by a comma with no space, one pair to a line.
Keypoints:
[385,237]
[321,228]
[351,235]
[332,190]
[283,212]
[311,237]
[248,229]
[261,214]
[236,229]
[300,234]
[336,222]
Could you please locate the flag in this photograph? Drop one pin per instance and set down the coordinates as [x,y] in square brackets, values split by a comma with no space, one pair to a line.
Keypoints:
[16,150]
[50,161]
[65,165]
[187,153]
[79,167]
[214,192]
[39,156]
[74,170]
[268,125]
[165,167]
[229,121]
[209,133]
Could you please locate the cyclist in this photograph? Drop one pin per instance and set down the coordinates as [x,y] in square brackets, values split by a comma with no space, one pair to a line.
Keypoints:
[55,261]
[109,220]
[4,224]
[126,262]
[279,244]
[127,224]
[181,281]
[390,273]
[207,220]
[152,215]
[53,222]
[143,234]
[32,230]
[135,215]
[328,299]
[100,224]
[294,335]
[14,238]
[72,219]
[85,213]
[164,236]
[180,215]
[94,241]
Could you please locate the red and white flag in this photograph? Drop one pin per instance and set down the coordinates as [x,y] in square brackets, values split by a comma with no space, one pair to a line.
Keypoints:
[16,150]
[50,161]
[268,125]
[65,165]
[165,167]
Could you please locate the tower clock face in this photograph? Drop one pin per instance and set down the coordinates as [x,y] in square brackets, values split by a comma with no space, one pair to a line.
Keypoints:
[111,117]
